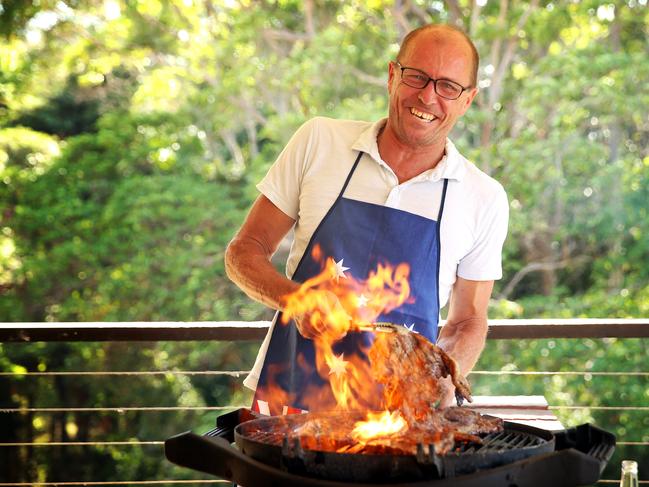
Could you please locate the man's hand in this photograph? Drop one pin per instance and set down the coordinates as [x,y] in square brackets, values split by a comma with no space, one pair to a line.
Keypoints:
[447,393]
[324,317]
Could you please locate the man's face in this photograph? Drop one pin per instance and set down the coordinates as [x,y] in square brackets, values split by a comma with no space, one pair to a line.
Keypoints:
[420,117]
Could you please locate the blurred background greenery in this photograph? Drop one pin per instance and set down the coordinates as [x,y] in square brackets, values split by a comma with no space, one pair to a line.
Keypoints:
[132,134]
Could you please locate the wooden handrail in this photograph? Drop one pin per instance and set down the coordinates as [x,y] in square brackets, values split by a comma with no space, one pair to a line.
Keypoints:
[256,330]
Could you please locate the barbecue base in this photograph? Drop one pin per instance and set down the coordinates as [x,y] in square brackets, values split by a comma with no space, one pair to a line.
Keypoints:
[578,457]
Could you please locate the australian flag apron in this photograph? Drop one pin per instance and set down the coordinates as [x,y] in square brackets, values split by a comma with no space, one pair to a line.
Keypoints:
[358,236]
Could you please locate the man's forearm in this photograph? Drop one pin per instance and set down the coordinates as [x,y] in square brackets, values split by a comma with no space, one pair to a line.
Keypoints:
[464,341]
[247,258]
[248,265]
[464,334]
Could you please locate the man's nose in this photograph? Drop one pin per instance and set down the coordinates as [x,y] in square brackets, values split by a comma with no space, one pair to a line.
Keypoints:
[427,94]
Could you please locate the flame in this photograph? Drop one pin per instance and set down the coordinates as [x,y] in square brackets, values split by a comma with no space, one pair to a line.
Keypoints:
[333,303]
[379,425]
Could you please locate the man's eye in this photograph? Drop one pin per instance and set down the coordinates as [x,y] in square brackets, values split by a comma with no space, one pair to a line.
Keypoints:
[447,86]
[416,77]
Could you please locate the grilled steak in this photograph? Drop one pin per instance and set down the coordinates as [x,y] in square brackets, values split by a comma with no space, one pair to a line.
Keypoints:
[462,420]
[409,367]
[440,429]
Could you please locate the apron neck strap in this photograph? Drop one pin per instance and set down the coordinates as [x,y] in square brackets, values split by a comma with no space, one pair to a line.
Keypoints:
[353,169]
[351,172]
[441,203]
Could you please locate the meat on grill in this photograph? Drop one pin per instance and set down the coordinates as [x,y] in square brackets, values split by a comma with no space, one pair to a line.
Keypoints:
[410,368]
[440,430]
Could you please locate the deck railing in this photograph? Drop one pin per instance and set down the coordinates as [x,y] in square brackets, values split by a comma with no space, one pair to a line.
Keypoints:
[634,444]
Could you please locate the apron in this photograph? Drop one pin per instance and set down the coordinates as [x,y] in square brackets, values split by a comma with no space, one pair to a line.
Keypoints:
[358,236]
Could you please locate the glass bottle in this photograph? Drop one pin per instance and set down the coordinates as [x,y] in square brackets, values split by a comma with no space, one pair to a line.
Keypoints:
[629,474]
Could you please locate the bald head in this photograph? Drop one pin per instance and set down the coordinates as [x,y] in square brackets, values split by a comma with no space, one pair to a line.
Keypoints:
[442,31]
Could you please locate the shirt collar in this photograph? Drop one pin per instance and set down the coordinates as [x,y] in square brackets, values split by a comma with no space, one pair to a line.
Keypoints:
[450,167]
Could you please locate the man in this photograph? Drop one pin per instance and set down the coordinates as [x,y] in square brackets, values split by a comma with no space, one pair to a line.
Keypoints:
[371,192]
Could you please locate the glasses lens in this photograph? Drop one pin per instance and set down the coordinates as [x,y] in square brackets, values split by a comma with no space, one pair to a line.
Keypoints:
[414,78]
[448,89]
[418,79]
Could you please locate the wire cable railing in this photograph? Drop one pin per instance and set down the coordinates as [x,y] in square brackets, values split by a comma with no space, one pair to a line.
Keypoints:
[117,482]
[118,409]
[240,373]
[186,482]
[231,373]
[503,329]
[85,443]
[124,409]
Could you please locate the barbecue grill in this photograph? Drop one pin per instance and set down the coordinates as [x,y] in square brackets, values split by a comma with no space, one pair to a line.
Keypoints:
[263,455]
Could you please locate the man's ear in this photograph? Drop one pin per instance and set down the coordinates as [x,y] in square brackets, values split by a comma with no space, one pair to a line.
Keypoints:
[469,99]
[392,74]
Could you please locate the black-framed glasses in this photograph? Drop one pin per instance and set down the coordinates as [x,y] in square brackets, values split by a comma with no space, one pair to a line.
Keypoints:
[445,88]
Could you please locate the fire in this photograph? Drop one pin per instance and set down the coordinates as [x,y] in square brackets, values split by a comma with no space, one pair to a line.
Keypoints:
[359,371]
[334,303]
[379,425]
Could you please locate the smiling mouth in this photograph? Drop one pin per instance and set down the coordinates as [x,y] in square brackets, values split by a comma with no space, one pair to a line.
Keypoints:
[421,115]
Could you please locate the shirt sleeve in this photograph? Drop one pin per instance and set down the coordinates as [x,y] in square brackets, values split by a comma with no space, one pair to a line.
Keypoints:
[282,183]
[483,262]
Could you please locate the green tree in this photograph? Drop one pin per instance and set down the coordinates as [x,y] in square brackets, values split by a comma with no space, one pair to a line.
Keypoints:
[132,134]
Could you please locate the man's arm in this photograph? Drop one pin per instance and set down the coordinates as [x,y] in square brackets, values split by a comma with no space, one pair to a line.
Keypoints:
[247,258]
[248,265]
[465,331]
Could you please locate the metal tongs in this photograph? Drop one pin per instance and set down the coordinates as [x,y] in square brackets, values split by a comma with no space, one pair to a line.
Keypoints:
[381,327]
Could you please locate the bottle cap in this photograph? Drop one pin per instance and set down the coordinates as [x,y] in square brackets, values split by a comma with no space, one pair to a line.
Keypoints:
[630,466]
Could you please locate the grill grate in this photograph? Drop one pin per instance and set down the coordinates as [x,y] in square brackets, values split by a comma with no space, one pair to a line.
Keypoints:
[268,437]
[494,442]
[504,441]
[276,442]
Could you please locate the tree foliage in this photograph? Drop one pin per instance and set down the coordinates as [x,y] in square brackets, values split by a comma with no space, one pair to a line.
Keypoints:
[132,135]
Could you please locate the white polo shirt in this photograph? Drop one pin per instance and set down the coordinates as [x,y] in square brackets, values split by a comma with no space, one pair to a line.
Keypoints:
[311,170]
